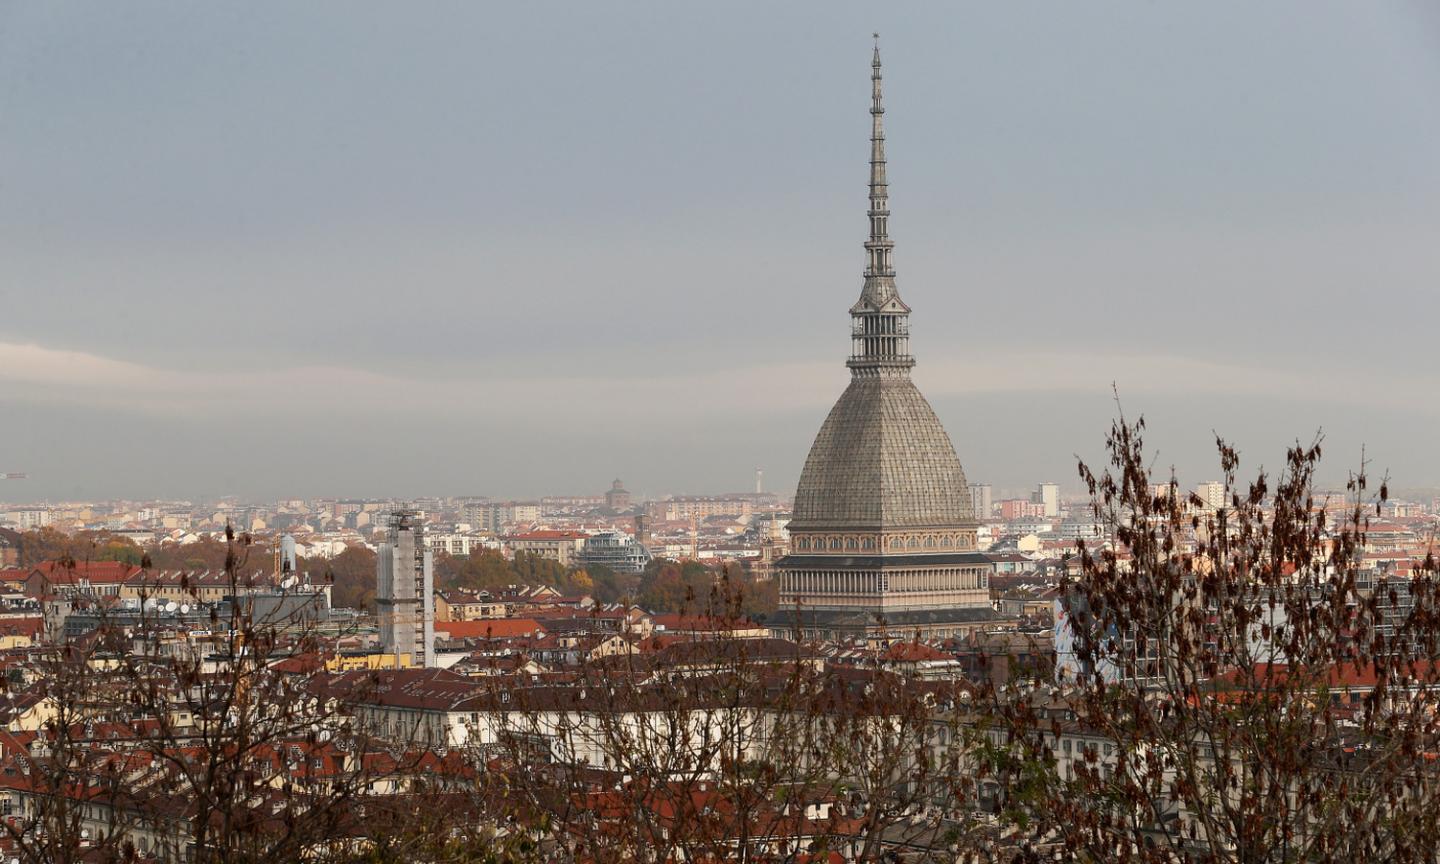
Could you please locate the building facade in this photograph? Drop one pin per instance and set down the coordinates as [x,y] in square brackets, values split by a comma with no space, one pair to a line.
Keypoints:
[982,500]
[1047,495]
[700,507]
[556,545]
[883,537]
[405,591]
[616,550]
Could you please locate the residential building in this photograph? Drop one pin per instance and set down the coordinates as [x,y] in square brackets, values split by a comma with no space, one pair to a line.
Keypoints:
[556,545]
[1047,495]
[982,500]
[1211,494]
[700,508]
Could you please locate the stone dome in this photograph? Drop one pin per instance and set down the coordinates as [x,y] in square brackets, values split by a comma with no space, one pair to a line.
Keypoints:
[882,461]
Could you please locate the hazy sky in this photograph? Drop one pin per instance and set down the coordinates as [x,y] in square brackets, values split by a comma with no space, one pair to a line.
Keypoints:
[278,248]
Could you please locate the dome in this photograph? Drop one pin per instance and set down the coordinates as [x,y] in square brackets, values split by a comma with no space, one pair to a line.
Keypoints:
[881,461]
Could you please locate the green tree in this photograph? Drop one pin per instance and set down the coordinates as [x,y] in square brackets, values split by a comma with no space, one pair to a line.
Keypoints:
[672,587]
[481,570]
[532,569]
[607,586]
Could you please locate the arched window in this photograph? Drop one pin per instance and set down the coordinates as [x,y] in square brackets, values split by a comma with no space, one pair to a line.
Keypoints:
[895,543]
[913,543]
[929,542]
[849,542]
[834,542]
[869,543]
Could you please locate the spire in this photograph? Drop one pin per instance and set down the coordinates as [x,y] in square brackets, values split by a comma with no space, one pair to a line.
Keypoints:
[878,248]
[880,319]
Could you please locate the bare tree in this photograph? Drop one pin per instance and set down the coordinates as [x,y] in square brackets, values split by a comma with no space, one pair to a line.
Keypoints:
[732,749]
[1236,688]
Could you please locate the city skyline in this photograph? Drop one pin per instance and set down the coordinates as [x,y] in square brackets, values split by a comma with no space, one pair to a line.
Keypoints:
[286,253]
[405,405]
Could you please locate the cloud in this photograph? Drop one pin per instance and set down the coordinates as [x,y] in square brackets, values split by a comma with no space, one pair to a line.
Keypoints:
[52,376]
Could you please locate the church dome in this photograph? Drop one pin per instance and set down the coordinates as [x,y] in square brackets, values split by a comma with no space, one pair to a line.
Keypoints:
[881,461]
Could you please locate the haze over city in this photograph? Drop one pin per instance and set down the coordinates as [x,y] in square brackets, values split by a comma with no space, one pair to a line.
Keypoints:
[352,249]
[564,433]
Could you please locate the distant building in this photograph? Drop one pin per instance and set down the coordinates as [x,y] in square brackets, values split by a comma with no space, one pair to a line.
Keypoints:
[31,518]
[701,508]
[617,499]
[493,516]
[615,550]
[84,579]
[453,543]
[1012,509]
[556,545]
[1047,495]
[405,591]
[467,606]
[1211,494]
[982,500]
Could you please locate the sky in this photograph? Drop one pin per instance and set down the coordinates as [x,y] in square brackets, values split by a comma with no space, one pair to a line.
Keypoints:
[272,249]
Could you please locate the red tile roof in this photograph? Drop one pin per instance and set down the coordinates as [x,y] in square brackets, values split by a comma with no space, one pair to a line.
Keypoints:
[490,628]
[914,652]
[94,571]
[27,626]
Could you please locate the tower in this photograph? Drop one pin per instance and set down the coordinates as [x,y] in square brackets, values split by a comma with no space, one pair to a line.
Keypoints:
[981,500]
[883,537]
[1047,495]
[618,498]
[405,591]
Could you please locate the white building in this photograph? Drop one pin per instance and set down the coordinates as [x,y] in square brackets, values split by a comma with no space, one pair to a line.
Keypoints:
[1048,496]
[454,543]
[30,518]
[1212,494]
[982,500]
